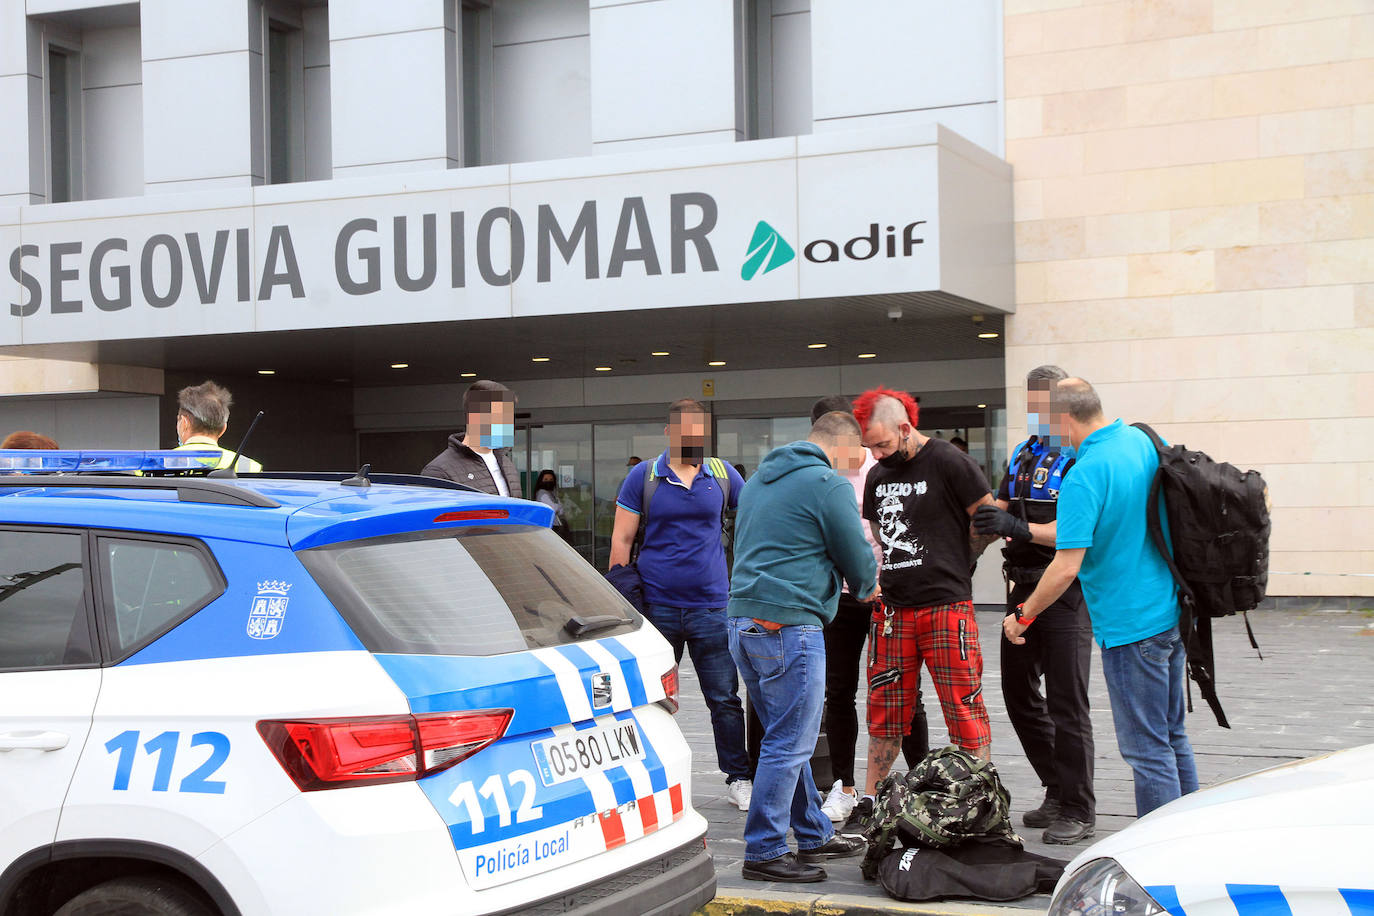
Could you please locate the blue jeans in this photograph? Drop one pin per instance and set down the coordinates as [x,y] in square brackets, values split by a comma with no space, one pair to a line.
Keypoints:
[785,673]
[1146,687]
[701,630]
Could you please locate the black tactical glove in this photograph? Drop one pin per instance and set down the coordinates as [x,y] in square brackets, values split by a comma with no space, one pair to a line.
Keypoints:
[991,520]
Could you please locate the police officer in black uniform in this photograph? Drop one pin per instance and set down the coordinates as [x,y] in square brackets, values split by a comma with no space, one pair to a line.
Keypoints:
[1055,729]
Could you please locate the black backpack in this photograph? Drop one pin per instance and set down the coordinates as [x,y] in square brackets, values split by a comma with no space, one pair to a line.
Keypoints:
[1219,525]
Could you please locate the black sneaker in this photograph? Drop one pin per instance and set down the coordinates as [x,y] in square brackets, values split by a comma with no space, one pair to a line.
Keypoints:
[1044,815]
[785,868]
[838,846]
[859,820]
[1067,830]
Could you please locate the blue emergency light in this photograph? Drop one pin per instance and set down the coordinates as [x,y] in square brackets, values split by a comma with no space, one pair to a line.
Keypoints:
[104,461]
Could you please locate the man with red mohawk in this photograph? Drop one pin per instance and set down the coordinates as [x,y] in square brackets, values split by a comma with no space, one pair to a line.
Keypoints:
[919,500]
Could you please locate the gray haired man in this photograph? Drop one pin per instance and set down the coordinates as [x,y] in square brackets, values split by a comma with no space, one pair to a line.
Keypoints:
[202,418]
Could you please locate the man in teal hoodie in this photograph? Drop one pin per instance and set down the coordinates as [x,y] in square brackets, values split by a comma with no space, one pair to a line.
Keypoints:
[797,536]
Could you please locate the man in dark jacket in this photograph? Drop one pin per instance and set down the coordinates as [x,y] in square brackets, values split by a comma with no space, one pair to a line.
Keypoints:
[798,538]
[480,456]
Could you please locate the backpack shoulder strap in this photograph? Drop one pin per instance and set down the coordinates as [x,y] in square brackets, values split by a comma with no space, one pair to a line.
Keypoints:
[1152,509]
[647,495]
[722,475]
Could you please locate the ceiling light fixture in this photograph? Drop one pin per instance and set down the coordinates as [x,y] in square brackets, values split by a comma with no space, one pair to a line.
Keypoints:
[267,372]
[867,355]
[467,375]
[988,335]
[816,346]
[659,353]
[539,359]
[603,368]
[400,365]
[716,362]
[981,406]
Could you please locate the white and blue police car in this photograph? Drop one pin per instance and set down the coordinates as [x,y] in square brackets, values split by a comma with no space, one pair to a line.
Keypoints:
[307,694]
[1294,840]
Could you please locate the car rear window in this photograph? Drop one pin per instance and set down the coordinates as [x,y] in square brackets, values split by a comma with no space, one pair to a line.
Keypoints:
[467,591]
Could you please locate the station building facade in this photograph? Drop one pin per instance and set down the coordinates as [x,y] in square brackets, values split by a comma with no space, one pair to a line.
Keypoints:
[347,210]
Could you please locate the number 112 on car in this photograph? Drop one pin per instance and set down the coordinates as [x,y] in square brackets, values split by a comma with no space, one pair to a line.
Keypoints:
[159,754]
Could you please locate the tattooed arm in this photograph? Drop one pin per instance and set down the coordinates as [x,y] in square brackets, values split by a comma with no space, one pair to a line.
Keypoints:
[977,543]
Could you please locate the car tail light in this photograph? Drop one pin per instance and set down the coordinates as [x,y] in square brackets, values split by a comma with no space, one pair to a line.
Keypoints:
[669,701]
[335,753]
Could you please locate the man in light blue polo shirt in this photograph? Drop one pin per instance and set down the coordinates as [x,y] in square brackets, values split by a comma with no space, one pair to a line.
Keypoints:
[682,565]
[1102,539]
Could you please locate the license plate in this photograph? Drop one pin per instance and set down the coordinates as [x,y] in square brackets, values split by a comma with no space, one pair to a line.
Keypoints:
[569,757]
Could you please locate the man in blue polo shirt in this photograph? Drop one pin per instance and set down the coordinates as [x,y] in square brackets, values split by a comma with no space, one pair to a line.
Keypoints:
[1102,539]
[682,564]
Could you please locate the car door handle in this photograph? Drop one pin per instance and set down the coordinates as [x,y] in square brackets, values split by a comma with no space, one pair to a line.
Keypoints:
[37,741]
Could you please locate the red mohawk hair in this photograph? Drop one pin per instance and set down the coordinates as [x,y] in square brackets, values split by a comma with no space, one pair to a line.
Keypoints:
[864,404]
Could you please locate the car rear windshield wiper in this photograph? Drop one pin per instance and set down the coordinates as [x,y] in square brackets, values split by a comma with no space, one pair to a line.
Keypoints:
[578,627]
[17,582]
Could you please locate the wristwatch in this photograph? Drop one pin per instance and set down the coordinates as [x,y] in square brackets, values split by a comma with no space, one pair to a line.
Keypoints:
[1024,621]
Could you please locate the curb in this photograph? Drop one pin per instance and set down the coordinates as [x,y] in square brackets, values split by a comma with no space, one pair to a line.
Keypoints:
[785,902]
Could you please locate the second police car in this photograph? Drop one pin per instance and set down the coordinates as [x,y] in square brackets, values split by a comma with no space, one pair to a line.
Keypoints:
[1293,840]
[264,696]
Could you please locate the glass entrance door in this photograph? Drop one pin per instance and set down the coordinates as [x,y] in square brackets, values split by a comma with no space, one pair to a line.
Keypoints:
[615,444]
[566,450]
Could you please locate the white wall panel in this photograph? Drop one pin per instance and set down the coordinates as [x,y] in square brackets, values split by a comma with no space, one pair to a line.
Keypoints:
[516,21]
[388,98]
[13,35]
[20,171]
[655,143]
[197,118]
[111,57]
[900,55]
[319,162]
[791,66]
[661,69]
[541,100]
[979,123]
[315,36]
[359,18]
[113,142]
[112,121]
[176,28]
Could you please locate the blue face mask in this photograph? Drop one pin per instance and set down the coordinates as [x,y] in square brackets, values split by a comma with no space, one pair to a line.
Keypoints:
[499,435]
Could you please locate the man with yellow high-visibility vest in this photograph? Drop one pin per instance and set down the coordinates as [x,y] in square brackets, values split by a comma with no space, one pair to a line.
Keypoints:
[202,417]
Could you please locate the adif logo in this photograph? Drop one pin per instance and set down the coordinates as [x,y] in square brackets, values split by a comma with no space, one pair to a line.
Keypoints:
[767,249]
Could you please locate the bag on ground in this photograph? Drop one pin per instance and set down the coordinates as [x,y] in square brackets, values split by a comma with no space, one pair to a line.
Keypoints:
[949,797]
[983,869]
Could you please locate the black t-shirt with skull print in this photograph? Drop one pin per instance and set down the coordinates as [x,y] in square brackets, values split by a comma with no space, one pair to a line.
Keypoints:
[923,524]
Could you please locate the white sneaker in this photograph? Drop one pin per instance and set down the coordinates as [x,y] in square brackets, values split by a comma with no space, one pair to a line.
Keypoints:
[739,793]
[838,804]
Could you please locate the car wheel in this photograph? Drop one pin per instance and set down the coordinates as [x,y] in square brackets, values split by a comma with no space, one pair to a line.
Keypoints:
[145,896]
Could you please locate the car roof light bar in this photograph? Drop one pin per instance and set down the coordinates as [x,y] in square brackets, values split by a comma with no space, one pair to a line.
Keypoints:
[104,461]
[188,489]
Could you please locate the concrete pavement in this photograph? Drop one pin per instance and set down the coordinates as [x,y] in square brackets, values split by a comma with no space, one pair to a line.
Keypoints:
[1313,692]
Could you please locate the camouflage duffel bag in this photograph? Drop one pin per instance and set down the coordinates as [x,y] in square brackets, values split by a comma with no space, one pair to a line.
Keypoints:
[948,797]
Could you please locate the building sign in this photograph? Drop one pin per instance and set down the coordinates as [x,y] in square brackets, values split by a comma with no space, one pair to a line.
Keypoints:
[431,248]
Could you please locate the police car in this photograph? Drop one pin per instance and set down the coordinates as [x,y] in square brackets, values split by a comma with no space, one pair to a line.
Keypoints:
[307,694]
[1295,840]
